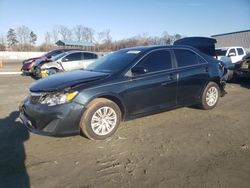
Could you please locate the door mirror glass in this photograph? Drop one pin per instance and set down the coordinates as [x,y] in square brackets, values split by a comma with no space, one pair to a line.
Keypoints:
[138,71]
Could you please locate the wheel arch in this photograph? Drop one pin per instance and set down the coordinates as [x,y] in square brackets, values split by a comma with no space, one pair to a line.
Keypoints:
[114,98]
[217,80]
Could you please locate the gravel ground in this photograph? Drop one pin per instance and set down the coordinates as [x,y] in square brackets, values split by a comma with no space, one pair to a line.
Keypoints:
[186,147]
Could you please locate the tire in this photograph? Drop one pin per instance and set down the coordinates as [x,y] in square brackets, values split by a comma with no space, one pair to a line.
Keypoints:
[209,102]
[95,127]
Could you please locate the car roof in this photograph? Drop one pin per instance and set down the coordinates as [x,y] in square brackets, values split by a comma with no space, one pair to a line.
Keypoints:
[154,47]
[226,48]
[74,51]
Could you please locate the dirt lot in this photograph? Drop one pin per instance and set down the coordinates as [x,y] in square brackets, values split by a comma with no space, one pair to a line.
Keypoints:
[181,148]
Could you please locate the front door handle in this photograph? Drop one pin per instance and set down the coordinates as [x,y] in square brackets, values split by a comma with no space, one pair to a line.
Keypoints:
[170,78]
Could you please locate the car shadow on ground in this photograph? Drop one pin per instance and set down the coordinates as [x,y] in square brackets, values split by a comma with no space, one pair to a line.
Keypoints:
[12,153]
[243,82]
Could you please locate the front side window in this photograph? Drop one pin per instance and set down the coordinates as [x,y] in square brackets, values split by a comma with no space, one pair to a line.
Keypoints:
[232,52]
[186,57]
[73,57]
[156,61]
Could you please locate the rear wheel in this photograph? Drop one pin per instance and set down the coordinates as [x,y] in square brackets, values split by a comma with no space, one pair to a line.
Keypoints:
[210,96]
[101,119]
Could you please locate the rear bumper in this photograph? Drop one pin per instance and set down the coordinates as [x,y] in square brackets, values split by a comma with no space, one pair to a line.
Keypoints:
[59,120]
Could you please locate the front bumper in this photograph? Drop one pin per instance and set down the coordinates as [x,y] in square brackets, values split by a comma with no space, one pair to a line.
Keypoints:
[59,120]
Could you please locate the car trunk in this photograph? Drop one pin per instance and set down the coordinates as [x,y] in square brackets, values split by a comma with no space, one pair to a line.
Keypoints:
[203,44]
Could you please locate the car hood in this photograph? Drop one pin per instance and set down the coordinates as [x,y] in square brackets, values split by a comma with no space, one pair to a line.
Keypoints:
[61,81]
[34,59]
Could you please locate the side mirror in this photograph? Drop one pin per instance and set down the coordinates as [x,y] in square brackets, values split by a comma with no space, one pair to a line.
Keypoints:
[138,71]
[231,54]
[49,57]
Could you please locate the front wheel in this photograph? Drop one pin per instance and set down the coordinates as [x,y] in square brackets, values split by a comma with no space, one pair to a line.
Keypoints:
[101,119]
[210,96]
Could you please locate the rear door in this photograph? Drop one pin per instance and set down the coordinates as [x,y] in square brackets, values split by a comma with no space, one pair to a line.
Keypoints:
[72,61]
[241,53]
[193,74]
[156,88]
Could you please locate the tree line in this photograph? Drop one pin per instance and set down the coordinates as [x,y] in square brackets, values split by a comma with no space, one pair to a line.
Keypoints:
[23,38]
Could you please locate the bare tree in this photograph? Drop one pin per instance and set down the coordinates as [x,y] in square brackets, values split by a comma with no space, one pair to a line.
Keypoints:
[105,40]
[55,33]
[65,32]
[78,30]
[2,43]
[23,34]
[84,33]
[88,34]
[47,38]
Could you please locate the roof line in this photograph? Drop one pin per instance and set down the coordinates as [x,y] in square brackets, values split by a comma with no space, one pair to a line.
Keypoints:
[231,33]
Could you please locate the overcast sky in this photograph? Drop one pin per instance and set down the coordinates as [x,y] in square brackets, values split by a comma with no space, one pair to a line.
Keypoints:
[129,17]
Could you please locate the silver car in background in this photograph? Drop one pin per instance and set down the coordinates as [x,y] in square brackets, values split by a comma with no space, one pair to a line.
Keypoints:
[66,61]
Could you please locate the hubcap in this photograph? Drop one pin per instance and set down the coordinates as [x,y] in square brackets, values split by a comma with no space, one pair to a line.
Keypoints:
[212,96]
[103,121]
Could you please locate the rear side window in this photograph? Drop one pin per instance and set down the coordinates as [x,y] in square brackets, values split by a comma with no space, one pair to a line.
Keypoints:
[156,61]
[73,57]
[240,51]
[187,58]
[89,56]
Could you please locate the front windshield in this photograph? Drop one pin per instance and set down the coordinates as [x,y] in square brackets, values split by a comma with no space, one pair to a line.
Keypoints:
[114,62]
[49,53]
[55,58]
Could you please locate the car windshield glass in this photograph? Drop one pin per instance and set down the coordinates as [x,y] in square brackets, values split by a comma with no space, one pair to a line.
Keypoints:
[114,62]
[49,53]
[57,56]
[220,52]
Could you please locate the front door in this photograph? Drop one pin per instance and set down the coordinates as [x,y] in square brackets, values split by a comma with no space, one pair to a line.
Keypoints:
[72,61]
[153,89]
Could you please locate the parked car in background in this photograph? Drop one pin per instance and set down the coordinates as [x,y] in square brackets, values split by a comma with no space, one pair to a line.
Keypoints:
[242,68]
[66,61]
[123,85]
[27,65]
[230,56]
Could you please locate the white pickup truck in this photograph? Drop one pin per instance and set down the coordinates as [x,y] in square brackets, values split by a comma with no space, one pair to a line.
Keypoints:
[230,54]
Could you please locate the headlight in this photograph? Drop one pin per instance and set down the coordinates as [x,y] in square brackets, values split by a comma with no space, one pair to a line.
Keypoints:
[57,98]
